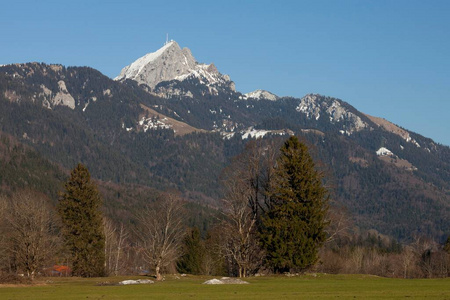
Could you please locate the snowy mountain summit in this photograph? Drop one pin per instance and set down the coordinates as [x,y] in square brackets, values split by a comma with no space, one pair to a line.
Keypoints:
[261,94]
[169,63]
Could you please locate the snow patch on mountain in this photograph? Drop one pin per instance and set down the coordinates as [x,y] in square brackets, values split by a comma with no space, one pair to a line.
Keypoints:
[254,133]
[261,94]
[384,152]
[86,104]
[151,119]
[388,156]
[154,123]
[251,132]
[225,280]
[107,92]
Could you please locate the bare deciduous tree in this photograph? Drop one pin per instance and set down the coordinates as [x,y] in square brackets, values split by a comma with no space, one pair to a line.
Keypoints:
[114,245]
[161,231]
[31,227]
[253,168]
[424,248]
[245,183]
[339,224]
[3,233]
[240,231]
[3,206]
[408,260]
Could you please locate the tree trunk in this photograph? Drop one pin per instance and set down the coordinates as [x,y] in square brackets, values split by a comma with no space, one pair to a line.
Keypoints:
[119,248]
[158,274]
[116,267]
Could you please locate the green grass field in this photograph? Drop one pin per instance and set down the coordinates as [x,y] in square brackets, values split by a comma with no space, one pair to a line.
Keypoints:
[191,287]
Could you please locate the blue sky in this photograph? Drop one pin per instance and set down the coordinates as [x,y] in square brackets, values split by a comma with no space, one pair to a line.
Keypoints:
[386,58]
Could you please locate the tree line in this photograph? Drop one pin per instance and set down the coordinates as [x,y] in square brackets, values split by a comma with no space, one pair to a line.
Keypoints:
[275,218]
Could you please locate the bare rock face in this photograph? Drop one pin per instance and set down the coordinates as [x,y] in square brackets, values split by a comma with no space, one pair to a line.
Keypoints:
[62,97]
[172,63]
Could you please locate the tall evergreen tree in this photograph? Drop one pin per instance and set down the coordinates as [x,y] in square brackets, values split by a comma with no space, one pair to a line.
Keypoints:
[293,227]
[193,252]
[79,208]
[447,245]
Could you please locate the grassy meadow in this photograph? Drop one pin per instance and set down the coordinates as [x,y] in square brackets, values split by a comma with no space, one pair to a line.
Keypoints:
[320,286]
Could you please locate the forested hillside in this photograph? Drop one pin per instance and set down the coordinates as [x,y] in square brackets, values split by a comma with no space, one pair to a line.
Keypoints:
[53,117]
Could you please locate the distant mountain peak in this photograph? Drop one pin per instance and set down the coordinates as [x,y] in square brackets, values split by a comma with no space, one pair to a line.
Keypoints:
[164,64]
[261,94]
[170,62]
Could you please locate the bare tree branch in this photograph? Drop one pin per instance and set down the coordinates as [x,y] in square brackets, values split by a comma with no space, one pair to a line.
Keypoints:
[161,232]
[31,228]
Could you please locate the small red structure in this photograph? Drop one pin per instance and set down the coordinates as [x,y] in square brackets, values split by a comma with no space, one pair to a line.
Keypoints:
[60,270]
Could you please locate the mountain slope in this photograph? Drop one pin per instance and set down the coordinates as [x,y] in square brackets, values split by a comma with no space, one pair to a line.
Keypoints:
[114,128]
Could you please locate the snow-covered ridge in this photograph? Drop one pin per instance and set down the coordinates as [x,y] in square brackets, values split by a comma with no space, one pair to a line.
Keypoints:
[261,94]
[315,106]
[173,63]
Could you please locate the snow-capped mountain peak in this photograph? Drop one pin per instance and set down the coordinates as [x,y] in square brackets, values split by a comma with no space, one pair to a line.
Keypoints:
[164,64]
[171,62]
[261,94]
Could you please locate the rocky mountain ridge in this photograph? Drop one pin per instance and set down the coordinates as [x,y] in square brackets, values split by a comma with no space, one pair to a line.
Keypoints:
[162,71]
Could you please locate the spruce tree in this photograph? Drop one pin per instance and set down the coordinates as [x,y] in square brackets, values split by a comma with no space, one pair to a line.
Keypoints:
[79,208]
[447,245]
[193,252]
[293,226]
